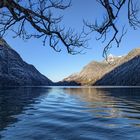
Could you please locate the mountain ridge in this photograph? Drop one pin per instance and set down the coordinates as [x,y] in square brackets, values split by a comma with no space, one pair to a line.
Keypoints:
[95,71]
[16,72]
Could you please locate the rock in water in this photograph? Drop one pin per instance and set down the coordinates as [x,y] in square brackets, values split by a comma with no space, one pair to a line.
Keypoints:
[15,72]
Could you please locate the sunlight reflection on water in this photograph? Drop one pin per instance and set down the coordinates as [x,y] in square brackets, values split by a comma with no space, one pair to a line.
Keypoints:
[70,113]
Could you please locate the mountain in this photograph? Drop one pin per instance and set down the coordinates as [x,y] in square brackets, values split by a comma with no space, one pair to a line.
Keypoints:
[15,72]
[94,71]
[126,74]
[116,70]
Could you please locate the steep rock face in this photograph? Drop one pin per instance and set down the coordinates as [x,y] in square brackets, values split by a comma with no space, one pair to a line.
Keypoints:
[94,71]
[14,71]
[126,74]
[118,71]
[90,73]
[67,83]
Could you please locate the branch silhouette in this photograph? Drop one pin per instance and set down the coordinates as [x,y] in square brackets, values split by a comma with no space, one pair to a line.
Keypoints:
[112,9]
[38,15]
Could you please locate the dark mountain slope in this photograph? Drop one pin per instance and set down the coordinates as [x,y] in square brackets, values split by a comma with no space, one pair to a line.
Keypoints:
[127,74]
[120,71]
[15,72]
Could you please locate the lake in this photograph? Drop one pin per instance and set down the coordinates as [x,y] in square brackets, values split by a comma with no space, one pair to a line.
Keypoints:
[69,113]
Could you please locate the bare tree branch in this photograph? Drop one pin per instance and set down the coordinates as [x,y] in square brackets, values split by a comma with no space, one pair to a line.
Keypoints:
[18,15]
[109,24]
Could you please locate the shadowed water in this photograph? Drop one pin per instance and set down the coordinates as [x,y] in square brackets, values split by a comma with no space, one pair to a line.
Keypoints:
[43,113]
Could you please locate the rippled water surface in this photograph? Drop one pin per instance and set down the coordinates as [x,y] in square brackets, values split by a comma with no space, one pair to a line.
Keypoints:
[43,113]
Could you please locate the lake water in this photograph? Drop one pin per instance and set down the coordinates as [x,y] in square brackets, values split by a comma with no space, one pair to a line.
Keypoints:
[72,113]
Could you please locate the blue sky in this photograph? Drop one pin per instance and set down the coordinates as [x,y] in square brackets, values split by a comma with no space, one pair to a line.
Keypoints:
[57,66]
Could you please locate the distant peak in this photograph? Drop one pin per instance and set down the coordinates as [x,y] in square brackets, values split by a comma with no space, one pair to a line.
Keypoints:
[112,58]
[134,51]
[111,55]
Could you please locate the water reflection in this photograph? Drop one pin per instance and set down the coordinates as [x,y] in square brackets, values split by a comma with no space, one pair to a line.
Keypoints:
[70,113]
[14,100]
[110,102]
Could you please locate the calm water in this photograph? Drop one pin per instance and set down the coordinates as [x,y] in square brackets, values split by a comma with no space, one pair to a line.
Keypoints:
[42,113]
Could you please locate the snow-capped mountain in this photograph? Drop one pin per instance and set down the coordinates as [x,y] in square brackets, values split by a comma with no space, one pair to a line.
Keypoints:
[115,70]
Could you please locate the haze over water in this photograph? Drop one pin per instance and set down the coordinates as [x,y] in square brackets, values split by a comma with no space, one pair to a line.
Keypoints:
[70,113]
